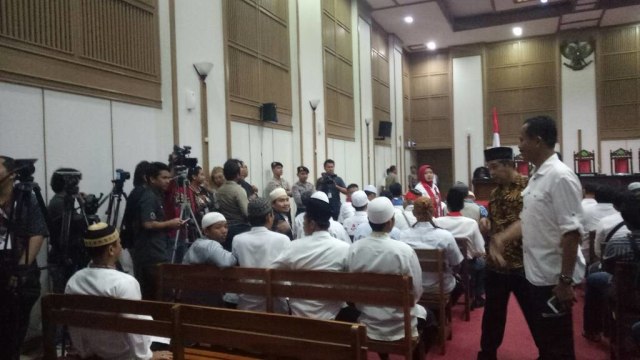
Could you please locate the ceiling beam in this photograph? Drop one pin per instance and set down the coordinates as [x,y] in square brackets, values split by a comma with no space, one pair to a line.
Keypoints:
[511,16]
[446,12]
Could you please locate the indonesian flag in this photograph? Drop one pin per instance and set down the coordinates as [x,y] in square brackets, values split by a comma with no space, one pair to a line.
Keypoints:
[496,129]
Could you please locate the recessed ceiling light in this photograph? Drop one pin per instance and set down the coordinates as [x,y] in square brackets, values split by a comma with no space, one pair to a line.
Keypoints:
[431,45]
[544,1]
[408,19]
[517,30]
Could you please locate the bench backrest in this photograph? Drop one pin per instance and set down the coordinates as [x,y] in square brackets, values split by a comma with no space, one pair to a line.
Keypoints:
[175,278]
[432,261]
[103,313]
[268,334]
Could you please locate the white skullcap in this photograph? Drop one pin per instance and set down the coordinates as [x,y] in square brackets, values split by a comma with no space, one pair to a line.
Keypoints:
[380,210]
[634,186]
[320,196]
[471,194]
[211,218]
[359,198]
[371,189]
[278,193]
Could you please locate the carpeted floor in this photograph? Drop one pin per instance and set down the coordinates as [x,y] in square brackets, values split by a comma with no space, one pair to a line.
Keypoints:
[518,343]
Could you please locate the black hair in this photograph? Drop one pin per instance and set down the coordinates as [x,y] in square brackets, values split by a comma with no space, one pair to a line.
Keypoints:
[360,208]
[606,194]
[193,172]
[455,198]
[155,168]
[9,163]
[391,169]
[353,185]
[630,210]
[387,194]
[57,179]
[328,161]
[260,220]
[590,187]
[231,169]
[96,252]
[544,127]
[396,189]
[322,220]
[377,227]
[140,173]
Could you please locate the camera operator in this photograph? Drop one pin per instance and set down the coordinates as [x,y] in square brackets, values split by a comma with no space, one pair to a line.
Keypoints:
[22,233]
[66,255]
[202,199]
[152,244]
[332,185]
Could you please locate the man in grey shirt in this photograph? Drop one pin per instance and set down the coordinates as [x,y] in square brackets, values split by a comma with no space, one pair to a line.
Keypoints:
[233,201]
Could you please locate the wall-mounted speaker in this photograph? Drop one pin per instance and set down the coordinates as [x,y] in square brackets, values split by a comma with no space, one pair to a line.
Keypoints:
[269,112]
[384,129]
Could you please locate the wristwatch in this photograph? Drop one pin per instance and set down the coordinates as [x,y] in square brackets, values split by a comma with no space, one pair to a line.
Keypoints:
[566,279]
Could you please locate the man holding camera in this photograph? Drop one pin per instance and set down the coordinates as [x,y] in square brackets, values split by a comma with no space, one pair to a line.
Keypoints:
[332,185]
[22,232]
[152,244]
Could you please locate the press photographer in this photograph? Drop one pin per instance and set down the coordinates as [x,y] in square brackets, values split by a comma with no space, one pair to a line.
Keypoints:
[22,232]
[332,185]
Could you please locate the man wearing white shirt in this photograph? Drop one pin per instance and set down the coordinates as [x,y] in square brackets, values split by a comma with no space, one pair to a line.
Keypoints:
[588,194]
[258,248]
[319,251]
[359,201]
[551,223]
[605,196]
[347,210]
[464,227]
[335,228]
[378,253]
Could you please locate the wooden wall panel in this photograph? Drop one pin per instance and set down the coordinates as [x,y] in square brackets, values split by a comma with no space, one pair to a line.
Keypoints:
[380,79]
[618,79]
[338,68]
[104,48]
[258,59]
[430,101]
[522,81]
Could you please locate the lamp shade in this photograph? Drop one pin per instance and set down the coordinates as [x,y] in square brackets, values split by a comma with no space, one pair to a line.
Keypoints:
[203,68]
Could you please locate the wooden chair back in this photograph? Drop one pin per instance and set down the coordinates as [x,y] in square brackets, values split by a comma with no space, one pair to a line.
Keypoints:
[268,335]
[173,279]
[433,261]
[103,313]
[360,288]
[463,245]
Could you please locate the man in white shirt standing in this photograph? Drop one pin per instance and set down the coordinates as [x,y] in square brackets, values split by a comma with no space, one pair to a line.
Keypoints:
[359,201]
[319,251]
[378,253]
[258,248]
[335,228]
[551,230]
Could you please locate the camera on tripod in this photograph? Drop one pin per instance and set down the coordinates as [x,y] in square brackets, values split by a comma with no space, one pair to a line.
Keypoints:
[182,162]
[24,169]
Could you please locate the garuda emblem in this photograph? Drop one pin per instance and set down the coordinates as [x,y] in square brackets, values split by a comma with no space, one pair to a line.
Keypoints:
[576,52]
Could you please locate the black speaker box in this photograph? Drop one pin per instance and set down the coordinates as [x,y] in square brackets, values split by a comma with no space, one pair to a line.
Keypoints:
[384,129]
[269,112]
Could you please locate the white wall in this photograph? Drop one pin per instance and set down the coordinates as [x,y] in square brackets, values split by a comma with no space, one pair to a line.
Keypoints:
[579,111]
[467,116]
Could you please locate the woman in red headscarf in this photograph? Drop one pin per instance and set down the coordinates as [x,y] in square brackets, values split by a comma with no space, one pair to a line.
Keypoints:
[428,188]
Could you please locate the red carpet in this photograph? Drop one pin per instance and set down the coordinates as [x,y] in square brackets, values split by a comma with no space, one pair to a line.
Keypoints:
[518,343]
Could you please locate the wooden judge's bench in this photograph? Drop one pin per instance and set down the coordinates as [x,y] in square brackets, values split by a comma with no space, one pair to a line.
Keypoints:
[482,187]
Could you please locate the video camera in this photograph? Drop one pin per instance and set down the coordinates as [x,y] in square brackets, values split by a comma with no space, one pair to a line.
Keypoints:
[24,169]
[182,163]
[71,181]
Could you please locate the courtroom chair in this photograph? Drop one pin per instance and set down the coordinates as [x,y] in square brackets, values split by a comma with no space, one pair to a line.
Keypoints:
[584,162]
[433,261]
[523,167]
[621,163]
[465,278]
[264,335]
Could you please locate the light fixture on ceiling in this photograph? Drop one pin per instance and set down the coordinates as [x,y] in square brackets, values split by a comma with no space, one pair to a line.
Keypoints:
[517,30]
[408,19]
[544,1]
[431,45]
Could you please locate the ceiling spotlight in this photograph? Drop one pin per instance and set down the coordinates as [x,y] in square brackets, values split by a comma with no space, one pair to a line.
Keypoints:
[517,31]
[431,45]
[408,19]
[544,1]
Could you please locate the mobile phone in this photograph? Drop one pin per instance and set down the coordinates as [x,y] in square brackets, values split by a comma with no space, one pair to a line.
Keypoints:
[554,304]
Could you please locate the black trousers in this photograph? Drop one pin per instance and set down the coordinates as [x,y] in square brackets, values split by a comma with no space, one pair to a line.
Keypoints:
[553,333]
[498,289]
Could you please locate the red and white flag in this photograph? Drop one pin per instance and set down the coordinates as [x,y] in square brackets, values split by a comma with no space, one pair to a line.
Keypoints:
[496,129]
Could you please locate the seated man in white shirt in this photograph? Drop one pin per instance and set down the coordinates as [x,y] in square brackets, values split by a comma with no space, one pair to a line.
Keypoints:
[346,209]
[335,228]
[378,253]
[404,220]
[605,196]
[258,248]
[101,278]
[359,201]
[319,251]
[463,227]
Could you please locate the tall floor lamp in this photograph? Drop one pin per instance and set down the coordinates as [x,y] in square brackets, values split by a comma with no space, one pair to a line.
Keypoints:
[314,105]
[203,69]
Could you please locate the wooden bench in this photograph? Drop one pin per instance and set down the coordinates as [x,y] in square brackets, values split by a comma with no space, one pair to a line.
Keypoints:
[432,261]
[263,334]
[360,288]
[175,279]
